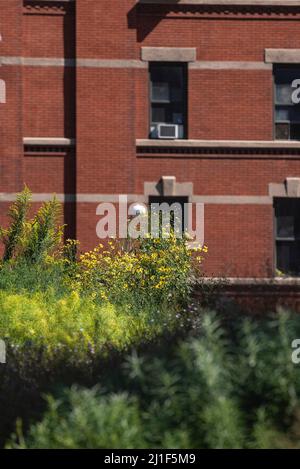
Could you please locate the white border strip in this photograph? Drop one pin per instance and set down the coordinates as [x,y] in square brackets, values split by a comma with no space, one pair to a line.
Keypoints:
[269,144]
[123,63]
[114,198]
[233,199]
[229,65]
[56,141]
[110,63]
[61,62]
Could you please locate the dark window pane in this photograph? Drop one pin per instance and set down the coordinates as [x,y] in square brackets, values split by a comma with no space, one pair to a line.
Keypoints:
[160,92]
[288,113]
[177,118]
[282,131]
[177,94]
[286,74]
[285,227]
[282,113]
[159,114]
[287,207]
[295,131]
[284,93]
[161,72]
[288,257]
[295,113]
[297,225]
[175,76]
[168,95]
[287,213]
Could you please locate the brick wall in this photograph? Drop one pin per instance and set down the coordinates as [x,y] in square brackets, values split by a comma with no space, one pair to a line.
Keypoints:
[105,107]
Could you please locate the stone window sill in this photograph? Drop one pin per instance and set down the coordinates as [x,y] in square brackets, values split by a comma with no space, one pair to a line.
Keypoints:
[243,144]
[47,141]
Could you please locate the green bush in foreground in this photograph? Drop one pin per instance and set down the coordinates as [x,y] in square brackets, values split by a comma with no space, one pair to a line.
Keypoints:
[232,386]
[64,315]
[73,326]
[111,297]
[90,422]
[70,320]
[31,239]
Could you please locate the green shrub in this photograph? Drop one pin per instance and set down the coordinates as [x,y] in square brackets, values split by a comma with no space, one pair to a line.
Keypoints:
[153,271]
[31,240]
[72,326]
[44,235]
[54,342]
[62,317]
[150,271]
[90,421]
[13,236]
[233,386]
[22,277]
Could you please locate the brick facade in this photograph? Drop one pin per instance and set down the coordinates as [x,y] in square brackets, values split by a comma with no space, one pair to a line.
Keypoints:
[73,71]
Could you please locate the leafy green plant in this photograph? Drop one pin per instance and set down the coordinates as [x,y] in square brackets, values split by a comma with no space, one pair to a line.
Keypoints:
[44,233]
[12,237]
[32,240]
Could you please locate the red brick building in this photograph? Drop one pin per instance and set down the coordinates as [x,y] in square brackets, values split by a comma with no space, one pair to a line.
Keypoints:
[92,87]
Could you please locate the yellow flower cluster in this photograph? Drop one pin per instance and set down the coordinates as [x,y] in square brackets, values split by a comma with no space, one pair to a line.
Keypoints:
[147,266]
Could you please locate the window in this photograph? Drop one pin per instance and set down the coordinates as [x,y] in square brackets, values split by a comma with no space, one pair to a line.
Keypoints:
[287,112]
[168,96]
[287,230]
[171,207]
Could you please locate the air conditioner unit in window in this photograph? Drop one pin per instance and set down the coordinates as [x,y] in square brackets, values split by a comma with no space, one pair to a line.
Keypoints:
[168,131]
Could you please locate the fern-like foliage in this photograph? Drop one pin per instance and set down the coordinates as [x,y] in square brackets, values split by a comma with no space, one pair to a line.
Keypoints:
[44,233]
[12,237]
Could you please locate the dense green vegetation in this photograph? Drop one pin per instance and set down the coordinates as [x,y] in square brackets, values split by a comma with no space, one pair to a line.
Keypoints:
[126,357]
[225,387]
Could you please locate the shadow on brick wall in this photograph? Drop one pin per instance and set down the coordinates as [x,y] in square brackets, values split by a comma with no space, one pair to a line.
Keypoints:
[144,18]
